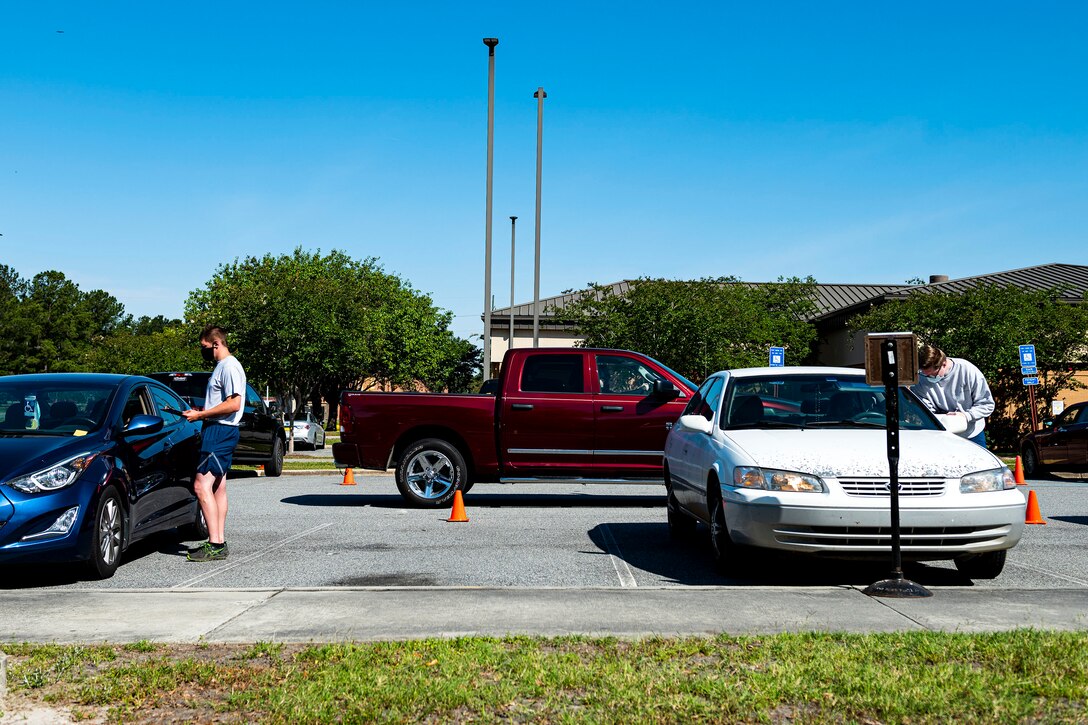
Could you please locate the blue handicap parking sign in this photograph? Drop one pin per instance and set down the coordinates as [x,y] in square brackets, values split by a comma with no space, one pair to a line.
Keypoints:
[1027,355]
[778,357]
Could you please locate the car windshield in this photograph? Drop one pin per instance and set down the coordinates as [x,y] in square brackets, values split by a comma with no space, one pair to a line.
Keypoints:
[817,400]
[52,407]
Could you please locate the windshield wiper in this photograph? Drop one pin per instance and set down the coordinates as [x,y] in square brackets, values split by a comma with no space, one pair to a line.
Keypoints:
[766,424]
[847,423]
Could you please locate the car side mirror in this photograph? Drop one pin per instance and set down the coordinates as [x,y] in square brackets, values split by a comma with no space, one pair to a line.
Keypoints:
[1048,423]
[696,423]
[142,425]
[665,389]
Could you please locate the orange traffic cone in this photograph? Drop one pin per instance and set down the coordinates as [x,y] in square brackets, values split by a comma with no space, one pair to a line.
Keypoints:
[1033,515]
[458,513]
[1018,473]
[349,478]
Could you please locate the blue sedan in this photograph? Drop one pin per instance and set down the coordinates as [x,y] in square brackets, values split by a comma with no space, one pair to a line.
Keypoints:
[91,463]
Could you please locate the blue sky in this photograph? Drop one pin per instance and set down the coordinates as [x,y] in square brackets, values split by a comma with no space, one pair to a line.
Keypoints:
[148,143]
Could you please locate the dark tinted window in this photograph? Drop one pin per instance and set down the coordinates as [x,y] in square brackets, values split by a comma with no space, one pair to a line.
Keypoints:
[552,374]
[190,386]
[166,399]
[625,376]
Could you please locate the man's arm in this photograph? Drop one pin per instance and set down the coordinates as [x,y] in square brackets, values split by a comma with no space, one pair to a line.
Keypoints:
[231,405]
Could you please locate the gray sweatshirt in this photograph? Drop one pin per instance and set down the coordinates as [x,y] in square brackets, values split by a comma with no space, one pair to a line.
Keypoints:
[963,389]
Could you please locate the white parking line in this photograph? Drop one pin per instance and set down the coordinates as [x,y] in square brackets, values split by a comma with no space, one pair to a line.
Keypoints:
[238,562]
[1063,577]
[626,577]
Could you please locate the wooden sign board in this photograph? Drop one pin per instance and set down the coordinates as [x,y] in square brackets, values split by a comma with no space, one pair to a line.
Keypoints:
[906,355]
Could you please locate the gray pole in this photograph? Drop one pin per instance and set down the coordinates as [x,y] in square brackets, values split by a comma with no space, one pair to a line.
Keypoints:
[540,95]
[490,43]
[513,221]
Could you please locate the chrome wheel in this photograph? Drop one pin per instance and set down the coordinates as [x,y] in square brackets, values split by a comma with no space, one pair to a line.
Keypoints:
[430,474]
[109,532]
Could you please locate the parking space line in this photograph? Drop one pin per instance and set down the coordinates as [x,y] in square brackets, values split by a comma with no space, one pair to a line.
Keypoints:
[1063,577]
[238,562]
[626,576]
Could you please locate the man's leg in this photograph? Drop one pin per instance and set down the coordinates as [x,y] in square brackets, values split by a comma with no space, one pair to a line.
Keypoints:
[203,485]
[219,490]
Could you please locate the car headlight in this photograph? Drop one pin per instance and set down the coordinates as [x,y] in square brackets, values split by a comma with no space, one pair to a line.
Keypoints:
[775,480]
[55,477]
[998,479]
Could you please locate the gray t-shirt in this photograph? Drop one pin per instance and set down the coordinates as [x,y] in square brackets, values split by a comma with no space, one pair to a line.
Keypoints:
[963,389]
[227,379]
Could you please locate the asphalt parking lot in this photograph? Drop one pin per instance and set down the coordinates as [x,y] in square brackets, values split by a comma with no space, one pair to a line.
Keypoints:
[312,560]
[304,531]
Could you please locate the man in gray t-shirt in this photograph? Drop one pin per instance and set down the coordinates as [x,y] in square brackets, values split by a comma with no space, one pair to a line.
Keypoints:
[223,409]
[954,386]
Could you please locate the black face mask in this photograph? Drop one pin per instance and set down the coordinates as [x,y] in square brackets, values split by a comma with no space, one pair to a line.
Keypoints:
[208,353]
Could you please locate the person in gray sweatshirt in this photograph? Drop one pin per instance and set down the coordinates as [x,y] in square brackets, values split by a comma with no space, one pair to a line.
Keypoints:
[954,386]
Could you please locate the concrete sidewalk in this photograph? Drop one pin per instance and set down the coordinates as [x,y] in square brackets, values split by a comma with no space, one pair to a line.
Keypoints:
[320,615]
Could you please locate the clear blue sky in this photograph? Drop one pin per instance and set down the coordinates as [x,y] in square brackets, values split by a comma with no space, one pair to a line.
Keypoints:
[852,141]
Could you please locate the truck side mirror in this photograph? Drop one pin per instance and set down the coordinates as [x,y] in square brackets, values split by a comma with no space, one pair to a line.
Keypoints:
[665,389]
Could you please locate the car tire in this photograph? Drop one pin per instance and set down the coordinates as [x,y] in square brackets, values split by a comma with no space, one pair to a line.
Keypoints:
[726,558]
[430,472]
[681,526]
[107,538]
[1030,460]
[198,529]
[274,467]
[987,565]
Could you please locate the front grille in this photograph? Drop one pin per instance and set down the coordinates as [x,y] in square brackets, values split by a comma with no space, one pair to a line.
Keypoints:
[875,538]
[880,487]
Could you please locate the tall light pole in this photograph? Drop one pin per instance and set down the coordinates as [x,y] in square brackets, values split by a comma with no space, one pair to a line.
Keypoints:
[490,43]
[540,95]
[513,221]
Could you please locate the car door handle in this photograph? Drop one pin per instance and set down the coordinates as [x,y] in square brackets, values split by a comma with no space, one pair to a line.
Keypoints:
[521,406]
[612,408]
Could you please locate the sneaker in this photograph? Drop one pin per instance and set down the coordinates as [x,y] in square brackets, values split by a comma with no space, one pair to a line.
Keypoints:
[198,547]
[208,552]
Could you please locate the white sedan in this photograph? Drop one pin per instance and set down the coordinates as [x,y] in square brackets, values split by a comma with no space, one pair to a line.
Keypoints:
[308,430]
[796,459]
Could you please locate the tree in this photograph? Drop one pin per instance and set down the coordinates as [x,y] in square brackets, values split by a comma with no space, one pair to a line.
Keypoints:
[698,327]
[309,323]
[132,353]
[986,325]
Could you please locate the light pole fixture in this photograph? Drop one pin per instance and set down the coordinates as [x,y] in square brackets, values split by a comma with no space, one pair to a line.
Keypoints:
[490,43]
[540,95]
[513,221]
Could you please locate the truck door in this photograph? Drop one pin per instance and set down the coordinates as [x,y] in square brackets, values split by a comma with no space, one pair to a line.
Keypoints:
[632,422]
[546,423]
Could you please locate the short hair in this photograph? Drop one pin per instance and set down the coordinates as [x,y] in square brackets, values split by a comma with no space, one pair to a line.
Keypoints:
[930,356]
[214,333]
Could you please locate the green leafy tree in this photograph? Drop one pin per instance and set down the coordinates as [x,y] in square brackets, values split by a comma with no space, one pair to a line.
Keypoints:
[698,327]
[49,325]
[307,323]
[135,353]
[986,325]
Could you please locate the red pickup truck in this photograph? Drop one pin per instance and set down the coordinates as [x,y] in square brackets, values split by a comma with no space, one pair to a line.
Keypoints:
[559,414]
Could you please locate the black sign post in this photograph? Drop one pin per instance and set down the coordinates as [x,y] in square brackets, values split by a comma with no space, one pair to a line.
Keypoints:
[896,585]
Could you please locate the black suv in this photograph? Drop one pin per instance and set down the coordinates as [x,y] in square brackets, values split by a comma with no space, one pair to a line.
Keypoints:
[261,440]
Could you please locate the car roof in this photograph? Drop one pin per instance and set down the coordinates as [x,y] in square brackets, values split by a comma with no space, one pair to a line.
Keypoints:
[112,378]
[795,370]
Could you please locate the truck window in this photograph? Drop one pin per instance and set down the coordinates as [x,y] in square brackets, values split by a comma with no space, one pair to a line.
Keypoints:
[552,374]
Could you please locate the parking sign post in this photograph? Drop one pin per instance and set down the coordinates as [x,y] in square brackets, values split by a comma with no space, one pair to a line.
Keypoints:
[1029,367]
[889,347]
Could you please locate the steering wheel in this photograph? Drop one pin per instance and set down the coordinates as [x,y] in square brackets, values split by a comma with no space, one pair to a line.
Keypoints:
[870,416]
[81,422]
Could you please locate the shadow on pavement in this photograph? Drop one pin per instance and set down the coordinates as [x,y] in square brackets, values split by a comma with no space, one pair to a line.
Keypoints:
[39,575]
[487,500]
[648,546]
[1082,520]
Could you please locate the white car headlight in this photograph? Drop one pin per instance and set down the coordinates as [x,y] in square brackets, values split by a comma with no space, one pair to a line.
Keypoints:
[775,480]
[55,477]
[998,479]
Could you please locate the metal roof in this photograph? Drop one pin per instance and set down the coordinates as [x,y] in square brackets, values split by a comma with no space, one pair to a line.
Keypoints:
[837,299]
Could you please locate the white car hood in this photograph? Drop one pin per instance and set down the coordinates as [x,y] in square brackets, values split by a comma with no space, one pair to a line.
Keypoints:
[851,452]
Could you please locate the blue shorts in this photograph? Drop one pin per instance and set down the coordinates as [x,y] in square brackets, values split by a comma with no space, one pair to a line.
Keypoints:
[217,448]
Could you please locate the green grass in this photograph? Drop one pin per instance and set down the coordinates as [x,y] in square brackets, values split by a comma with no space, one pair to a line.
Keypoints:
[1020,676]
